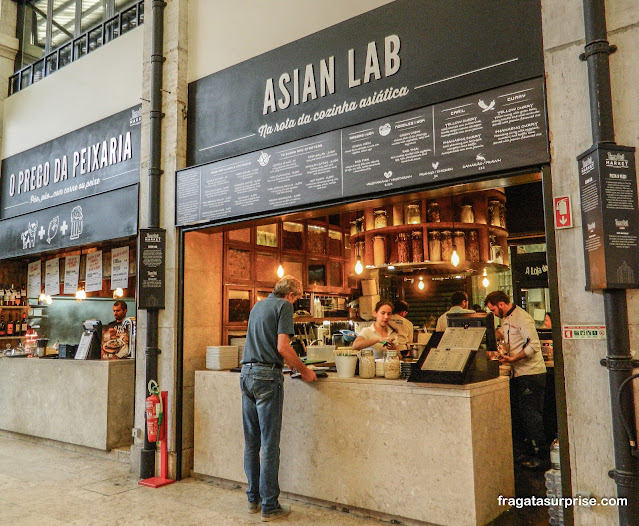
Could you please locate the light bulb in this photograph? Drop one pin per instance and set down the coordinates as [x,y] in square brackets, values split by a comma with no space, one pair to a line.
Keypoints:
[454,259]
[485,282]
[118,293]
[280,271]
[80,295]
[48,300]
[42,297]
[359,268]
[421,285]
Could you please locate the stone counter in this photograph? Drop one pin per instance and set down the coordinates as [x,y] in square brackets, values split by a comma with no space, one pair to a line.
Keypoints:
[434,453]
[83,402]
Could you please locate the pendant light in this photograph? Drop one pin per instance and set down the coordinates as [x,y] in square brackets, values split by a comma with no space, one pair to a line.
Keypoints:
[421,285]
[280,271]
[359,268]
[454,258]
[80,294]
[118,293]
[485,281]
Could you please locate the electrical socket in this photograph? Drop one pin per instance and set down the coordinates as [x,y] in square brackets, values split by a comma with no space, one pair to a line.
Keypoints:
[136,432]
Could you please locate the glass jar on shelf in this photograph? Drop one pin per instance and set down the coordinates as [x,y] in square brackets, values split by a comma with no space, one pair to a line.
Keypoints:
[292,236]
[459,240]
[433,214]
[434,246]
[379,250]
[413,216]
[380,218]
[467,214]
[366,363]
[418,246]
[472,248]
[494,213]
[447,245]
[360,224]
[354,229]
[316,242]
[502,215]
[403,248]
[496,252]
[392,366]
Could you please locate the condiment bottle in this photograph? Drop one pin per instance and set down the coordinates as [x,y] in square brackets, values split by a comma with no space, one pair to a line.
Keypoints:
[392,367]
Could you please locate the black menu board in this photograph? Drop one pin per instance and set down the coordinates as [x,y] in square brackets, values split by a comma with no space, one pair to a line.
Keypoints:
[610,220]
[151,261]
[493,131]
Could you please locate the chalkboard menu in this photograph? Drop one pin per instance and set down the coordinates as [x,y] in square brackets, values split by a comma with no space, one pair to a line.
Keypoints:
[151,261]
[610,220]
[493,131]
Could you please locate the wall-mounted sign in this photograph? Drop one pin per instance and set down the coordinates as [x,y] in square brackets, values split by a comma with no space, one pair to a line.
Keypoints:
[609,215]
[530,270]
[120,268]
[52,277]
[90,220]
[584,332]
[95,159]
[71,274]
[151,256]
[492,131]
[563,212]
[34,279]
[405,55]
[93,281]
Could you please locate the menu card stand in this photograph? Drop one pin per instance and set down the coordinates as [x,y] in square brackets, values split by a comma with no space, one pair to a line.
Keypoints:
[453,357]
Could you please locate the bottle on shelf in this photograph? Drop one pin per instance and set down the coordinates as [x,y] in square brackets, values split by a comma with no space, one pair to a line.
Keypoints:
[3,328]
[25,325]
[12,295]
[23,295]
[1,294]
[10,326]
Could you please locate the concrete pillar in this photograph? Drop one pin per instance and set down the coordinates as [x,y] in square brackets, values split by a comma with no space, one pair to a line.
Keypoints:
[8,50]
[174,99]
[587,391]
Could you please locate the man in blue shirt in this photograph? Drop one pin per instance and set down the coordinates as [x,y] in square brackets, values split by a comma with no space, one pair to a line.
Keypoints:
[266,349]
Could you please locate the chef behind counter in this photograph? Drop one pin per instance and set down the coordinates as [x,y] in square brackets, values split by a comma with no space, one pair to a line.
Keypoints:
[380,336]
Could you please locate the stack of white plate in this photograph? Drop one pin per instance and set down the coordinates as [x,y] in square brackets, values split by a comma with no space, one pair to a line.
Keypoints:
[240,347]
[221,357]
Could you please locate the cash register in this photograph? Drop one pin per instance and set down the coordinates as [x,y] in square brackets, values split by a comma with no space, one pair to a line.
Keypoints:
[91,341]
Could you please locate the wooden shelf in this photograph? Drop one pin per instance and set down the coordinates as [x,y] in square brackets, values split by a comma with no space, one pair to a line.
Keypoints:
[13,337]
[430,226]
[6,307]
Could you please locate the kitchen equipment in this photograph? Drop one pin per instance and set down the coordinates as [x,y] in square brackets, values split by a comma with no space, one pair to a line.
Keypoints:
[41,346]
[416,350]
[67,350]
[338,339]
[345,364]
[349,336]
[320,353]
[91,341]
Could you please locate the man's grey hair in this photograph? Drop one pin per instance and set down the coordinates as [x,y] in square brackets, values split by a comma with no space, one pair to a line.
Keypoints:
[286,285]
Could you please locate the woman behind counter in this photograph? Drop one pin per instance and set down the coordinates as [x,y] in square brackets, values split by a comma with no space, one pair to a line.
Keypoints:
[373,336]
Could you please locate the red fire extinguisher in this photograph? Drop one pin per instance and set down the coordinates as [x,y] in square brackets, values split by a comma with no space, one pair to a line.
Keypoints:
[154,411]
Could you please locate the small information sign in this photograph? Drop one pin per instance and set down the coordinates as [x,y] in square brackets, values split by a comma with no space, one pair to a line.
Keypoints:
[151,254]
[584,332]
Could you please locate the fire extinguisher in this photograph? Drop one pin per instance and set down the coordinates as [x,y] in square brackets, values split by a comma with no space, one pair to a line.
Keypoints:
[154,411]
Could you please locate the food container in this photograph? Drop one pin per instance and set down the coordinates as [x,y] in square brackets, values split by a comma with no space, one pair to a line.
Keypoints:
[403,248]
[494,213]
[433,212]
[392,367]
[366,364]
[459,240]
[418,246]
[467,214]
[354,228]
[379,251]
[413,216]
[369,287]
[345,362]
[320,353]
[379,367]
[472,247]
[447,245]
[434,246]
[502,215]
[380,218]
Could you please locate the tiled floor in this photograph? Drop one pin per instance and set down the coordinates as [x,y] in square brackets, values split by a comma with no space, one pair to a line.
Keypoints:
[45,485]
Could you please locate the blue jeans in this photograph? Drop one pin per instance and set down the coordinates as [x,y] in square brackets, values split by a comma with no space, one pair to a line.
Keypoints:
[262,401]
